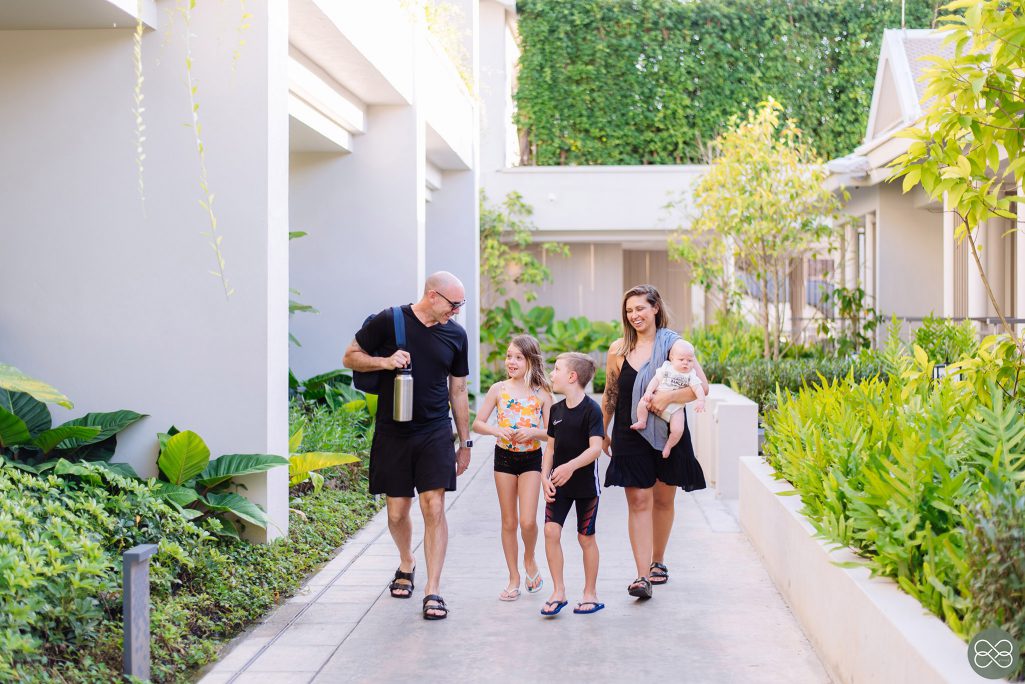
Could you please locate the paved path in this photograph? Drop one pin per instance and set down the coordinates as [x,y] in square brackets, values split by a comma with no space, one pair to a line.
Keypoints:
[720,619]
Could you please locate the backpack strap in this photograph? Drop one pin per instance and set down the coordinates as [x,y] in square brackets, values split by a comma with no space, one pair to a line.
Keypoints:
[400,327]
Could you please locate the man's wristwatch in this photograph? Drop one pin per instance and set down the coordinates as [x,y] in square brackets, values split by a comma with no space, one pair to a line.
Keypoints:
[468,444]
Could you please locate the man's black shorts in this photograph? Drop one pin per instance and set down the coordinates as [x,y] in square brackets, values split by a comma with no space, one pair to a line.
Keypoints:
[399,463]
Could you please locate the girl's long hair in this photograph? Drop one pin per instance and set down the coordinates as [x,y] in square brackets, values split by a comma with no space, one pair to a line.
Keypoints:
[650,293]
[537,379]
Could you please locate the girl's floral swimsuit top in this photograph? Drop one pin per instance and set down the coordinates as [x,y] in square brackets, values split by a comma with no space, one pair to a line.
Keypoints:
[519,414]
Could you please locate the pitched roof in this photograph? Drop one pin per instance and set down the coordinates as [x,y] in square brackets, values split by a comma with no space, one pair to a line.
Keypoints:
[897,99]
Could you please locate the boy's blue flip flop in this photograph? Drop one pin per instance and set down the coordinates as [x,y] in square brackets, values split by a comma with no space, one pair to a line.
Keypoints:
[594,607]
[559,605]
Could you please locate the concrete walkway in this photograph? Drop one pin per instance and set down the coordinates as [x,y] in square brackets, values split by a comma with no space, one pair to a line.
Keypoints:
[720,619]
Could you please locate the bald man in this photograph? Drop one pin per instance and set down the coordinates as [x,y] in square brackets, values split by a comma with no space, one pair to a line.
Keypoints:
[418,454]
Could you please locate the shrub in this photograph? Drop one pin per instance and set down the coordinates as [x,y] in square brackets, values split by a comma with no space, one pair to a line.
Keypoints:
[892,467]
[60,544]
[945,341]
[995,556]
[613,82]
[759,380]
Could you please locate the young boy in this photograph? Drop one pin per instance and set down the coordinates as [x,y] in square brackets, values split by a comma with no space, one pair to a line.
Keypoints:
[569,475]
[676,373]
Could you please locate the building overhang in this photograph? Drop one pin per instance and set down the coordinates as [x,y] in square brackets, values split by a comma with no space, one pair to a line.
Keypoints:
[367,47]
[75,14]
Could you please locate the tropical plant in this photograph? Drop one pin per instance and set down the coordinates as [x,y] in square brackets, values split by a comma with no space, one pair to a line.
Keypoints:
[995,556]
[28,438]
[899,468]
[945,341]
[580,334]
[970,146]
[294,306]
[303,466]
[762,203]
[61,542]
[505,260]
[857,318]
[335,389]
[200,487]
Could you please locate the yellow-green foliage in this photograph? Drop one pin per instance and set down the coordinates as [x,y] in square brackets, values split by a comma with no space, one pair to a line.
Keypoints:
[892,467]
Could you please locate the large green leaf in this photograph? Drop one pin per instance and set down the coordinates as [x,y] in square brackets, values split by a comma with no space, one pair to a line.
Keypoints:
[122,469]
[19,465]
[233,465]
[14,380]
[109,423]
[13,430]
[295,440]
[182,496]
[46,441]
[183,457]
[33,412]
[65,467]
[96,452]
[301,465]
[231,502]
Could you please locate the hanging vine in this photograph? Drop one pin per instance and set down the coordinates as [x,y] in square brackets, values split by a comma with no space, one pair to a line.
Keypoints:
[138,109]
[207,201]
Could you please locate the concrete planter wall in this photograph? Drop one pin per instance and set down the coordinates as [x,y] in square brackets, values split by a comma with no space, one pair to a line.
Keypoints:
[864,630]
[725,432]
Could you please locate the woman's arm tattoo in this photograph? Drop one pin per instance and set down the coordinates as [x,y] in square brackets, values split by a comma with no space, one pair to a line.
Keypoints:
[611,391]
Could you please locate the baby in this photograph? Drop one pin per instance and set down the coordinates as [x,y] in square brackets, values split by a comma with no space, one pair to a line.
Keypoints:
[676,373]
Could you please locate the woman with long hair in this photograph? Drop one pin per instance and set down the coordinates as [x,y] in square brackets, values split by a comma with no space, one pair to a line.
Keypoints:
[637,463]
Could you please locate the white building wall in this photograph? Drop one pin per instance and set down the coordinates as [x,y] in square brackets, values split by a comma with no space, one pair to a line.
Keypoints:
[453,244]
[909,255]
[114,306]
[366,250]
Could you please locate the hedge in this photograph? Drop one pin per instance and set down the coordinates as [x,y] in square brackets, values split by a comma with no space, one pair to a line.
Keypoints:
[632,82]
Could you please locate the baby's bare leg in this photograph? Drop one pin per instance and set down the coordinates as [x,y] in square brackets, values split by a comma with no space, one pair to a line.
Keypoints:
[675,431]
[642,415]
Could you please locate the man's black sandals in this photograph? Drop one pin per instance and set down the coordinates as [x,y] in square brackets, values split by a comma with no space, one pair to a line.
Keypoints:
[439,607]
[658,573]
[640,588]
[395,586]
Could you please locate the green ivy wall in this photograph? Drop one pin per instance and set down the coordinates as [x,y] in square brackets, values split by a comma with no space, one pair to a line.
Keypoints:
[652,81]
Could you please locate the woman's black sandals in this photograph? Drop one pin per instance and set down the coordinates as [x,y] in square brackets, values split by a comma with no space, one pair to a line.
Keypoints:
[658,573]
[640,588]
[396,586]
[439,607]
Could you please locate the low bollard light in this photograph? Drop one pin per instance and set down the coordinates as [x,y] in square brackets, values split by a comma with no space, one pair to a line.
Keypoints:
[135,564]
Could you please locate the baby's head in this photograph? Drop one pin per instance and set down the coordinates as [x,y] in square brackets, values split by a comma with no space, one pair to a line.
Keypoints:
[682,357]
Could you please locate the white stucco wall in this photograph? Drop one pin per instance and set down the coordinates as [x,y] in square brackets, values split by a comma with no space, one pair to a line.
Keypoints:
[365,251]
[909,250]
[115,306]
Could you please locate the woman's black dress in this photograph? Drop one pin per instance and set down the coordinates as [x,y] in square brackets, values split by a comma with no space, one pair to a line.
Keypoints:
[635,463]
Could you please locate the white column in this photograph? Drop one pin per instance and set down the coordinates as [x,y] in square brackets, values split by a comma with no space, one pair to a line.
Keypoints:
[949,251]
[494,79]
[1019,265]
[365,250]
[978,302]
[453,244]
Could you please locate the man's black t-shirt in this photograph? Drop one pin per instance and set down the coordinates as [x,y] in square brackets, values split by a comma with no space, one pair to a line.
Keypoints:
[572,429]
[436,352]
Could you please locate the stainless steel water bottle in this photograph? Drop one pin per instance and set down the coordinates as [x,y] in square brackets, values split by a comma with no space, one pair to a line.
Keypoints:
[402,400]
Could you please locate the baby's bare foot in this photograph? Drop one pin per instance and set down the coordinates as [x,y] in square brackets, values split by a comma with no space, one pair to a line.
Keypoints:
[639,425]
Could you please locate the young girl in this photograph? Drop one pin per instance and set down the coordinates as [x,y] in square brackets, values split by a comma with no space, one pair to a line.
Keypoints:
[523,402]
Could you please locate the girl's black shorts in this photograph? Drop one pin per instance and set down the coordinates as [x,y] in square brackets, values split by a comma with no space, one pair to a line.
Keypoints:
[517,462]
